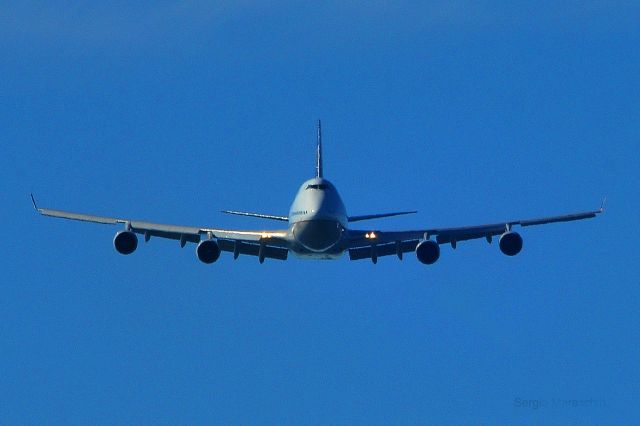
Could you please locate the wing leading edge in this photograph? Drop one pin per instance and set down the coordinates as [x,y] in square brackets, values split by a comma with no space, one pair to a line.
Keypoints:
[267,243]
[397,242]
[361,244]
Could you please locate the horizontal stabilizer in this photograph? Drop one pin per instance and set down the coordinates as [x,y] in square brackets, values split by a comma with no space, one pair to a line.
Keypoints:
[261,216]
[377,216]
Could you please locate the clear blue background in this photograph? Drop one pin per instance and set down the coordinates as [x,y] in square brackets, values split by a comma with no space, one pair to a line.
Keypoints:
[469,112]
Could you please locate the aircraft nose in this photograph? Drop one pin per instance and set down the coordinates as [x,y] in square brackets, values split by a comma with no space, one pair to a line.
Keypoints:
[317,206]
[317,235]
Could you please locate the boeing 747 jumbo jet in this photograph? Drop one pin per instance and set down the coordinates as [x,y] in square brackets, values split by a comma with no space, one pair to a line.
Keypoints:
[318,228]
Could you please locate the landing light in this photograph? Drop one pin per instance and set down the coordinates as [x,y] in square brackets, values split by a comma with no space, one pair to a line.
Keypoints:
[370,235]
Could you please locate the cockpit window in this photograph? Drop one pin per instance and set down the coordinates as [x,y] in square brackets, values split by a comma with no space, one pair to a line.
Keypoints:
[321,187]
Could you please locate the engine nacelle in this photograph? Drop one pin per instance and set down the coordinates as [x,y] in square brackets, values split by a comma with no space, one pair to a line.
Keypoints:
[510,243]
[428,252]
[208,251]
[125,242]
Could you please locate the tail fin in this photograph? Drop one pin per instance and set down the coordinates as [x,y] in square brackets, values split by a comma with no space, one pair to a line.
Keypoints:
[319,152]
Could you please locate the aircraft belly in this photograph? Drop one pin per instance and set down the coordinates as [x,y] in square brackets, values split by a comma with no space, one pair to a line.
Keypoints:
[309,255]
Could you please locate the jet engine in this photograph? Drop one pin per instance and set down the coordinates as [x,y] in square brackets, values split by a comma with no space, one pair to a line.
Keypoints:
[208,251]
[510,243]
[428,252]
[125,242]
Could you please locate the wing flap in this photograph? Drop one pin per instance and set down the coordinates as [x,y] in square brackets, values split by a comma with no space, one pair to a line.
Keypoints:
[273,238]
[368,252]
[172,235]
[445,236]
[241,247]
[368,238]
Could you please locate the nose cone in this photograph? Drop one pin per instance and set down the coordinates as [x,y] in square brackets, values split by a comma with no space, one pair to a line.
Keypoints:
[317,235]
[318,215]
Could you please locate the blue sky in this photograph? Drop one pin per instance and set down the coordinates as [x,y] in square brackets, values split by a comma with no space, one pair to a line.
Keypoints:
[469,112]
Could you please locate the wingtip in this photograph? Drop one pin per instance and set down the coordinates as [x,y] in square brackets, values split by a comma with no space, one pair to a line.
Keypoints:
[35,205]
[602,205]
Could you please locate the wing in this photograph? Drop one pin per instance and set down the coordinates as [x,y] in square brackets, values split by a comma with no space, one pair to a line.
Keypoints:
[367,244]
[270,244]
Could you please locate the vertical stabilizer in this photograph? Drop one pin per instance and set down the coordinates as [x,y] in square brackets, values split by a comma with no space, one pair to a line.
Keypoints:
[319,152]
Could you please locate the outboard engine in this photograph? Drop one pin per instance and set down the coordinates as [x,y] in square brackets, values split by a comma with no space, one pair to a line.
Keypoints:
[510,243]
[428,252]
[125,242]
[208,251]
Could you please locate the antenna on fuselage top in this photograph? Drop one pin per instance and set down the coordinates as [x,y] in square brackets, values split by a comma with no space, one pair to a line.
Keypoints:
[319,152]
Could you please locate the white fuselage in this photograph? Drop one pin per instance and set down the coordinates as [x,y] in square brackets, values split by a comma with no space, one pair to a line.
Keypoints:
[317,220]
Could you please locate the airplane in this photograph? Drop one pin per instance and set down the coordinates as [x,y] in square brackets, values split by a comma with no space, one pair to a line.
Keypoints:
[318,228]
